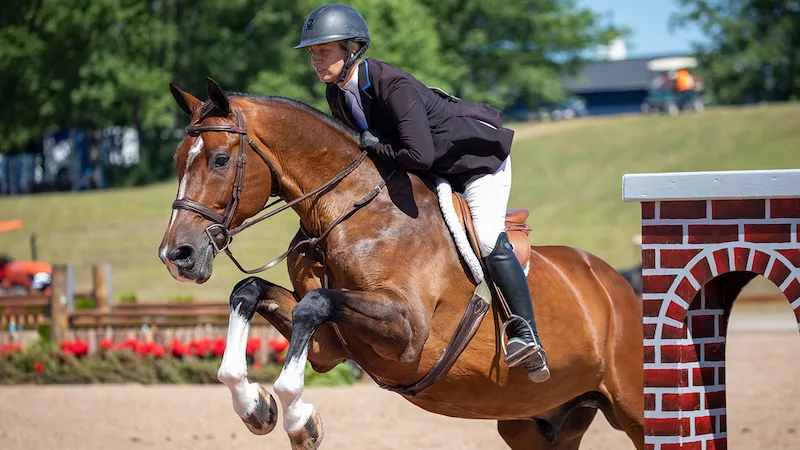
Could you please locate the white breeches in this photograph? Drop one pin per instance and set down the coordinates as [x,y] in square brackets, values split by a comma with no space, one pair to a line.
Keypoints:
[487,198]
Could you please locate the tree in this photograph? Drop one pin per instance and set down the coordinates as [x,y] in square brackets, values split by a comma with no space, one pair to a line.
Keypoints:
[90,64]
[753,49]
[502,52]
[401,32]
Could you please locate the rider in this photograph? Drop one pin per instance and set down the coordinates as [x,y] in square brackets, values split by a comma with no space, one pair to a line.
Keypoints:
[424,129]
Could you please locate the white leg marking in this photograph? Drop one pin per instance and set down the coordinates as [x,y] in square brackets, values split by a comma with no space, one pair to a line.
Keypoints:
[289,387]
[233,371]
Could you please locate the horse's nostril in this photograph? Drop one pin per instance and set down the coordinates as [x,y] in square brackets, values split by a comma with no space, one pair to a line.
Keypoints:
[181,256]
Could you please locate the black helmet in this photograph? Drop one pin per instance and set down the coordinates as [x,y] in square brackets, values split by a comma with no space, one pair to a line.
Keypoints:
[334,22]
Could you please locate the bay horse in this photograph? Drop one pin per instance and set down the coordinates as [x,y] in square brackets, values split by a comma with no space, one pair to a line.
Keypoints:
[391,286]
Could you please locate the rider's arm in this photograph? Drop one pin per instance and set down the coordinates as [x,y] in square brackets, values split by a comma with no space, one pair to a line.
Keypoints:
[413,148]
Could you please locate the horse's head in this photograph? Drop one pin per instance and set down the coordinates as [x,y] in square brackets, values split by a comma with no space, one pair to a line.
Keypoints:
[217,189]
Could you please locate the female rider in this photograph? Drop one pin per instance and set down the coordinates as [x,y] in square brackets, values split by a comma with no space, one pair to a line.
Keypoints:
[421,129]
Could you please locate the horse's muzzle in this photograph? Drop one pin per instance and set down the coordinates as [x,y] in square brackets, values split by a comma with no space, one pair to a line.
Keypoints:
[187,263]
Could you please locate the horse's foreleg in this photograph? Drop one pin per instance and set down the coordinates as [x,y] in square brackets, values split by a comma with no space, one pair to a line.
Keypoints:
[254,405]
[276,306]
[377,316]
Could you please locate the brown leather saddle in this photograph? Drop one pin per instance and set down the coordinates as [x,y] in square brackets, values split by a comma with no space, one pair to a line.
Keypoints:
[516,227]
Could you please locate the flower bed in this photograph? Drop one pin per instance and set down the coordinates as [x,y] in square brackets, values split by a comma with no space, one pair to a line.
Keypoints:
[196,361]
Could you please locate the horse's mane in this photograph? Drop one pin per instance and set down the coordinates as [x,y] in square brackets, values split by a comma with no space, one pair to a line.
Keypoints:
[327,118]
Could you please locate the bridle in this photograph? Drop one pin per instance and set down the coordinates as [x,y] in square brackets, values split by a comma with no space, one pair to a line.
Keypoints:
[222,222]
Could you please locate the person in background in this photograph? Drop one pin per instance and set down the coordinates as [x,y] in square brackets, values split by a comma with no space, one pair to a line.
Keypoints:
[31,275]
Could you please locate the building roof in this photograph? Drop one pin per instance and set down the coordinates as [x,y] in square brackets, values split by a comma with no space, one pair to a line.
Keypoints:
[620,75]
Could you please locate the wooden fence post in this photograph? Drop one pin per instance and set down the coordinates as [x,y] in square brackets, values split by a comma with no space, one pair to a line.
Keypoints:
[59,316]
[101,286]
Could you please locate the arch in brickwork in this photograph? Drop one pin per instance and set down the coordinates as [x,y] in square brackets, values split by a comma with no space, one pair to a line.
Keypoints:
[773,264]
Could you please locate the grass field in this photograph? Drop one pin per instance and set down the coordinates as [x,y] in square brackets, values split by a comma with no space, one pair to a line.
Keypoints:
[568,174]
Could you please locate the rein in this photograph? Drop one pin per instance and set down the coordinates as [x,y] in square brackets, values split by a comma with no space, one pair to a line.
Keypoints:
[222,222]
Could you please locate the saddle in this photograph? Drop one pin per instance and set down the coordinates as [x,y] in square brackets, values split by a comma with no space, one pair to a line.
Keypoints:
[516,228]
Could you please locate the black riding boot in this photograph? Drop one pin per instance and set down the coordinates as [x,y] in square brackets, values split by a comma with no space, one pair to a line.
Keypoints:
[524,347]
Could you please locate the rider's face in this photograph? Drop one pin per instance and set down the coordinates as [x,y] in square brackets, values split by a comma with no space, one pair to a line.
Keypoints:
[328,60]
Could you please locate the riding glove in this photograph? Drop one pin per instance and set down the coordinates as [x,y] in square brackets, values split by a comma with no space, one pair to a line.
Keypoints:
[368,141]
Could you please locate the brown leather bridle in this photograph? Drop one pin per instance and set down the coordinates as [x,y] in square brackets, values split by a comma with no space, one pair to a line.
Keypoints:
[222,222]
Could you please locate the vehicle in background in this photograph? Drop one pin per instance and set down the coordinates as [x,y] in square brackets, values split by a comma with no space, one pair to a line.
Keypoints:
[675,89]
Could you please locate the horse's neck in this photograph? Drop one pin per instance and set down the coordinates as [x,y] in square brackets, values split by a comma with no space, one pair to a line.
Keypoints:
[311,157]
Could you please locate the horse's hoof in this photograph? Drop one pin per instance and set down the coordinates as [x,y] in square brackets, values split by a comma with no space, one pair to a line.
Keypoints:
[310,436]
[263,419]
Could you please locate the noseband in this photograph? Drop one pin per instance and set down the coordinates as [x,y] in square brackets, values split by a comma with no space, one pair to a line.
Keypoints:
[222,222]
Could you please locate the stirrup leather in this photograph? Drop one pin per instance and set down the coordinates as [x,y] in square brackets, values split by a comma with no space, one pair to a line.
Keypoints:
[519,356]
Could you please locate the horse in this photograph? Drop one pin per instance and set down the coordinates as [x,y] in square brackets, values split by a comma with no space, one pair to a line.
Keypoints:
[377,279]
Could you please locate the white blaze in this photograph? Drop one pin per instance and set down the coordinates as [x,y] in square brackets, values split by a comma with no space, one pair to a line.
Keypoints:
[193,152]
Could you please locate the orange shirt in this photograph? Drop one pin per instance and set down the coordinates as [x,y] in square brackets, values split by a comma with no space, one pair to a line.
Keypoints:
[21,272]
[683,80]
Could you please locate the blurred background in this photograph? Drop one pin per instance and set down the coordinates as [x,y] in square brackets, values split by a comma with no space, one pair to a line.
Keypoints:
[593,88]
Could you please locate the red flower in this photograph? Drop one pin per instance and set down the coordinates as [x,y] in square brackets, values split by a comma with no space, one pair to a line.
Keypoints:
[130,343]
[278,345]
[177,348]
[253,345]
[38,367]
[145,348]
[10,348]
[106,344]
[158,351]
[76,347]
[80,348]
[198,348]
[218,347]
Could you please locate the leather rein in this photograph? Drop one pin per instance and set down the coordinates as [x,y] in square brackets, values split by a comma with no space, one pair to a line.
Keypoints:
[222,222]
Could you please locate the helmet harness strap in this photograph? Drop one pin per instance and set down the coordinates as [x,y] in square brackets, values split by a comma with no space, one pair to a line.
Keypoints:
[351,59]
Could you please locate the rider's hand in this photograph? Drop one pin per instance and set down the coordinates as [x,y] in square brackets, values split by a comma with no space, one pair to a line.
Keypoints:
[368,141]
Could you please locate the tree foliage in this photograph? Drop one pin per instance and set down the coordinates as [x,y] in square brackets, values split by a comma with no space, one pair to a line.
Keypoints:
[753,49]
[95,63]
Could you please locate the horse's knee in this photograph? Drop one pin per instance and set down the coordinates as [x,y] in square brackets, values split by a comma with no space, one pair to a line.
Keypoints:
[246,296]
[314,309]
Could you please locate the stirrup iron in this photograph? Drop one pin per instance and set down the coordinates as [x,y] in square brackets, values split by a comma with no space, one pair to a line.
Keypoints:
[525,352]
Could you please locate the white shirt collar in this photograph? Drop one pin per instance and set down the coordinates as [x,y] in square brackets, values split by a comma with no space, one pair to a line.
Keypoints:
[352,83]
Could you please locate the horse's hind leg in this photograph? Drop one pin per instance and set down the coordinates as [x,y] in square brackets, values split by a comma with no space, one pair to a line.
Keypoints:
[534,434]
[521,434]
[627,411]
[376,316]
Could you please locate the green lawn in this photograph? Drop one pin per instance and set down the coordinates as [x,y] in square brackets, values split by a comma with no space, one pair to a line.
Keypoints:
[568,174]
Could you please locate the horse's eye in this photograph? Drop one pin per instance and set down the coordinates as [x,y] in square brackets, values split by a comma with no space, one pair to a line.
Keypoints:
[221,160]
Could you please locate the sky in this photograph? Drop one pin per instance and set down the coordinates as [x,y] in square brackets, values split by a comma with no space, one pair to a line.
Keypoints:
[648,21]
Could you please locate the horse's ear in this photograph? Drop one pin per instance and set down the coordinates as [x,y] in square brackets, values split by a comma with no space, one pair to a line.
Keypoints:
[187,102]
[218,97]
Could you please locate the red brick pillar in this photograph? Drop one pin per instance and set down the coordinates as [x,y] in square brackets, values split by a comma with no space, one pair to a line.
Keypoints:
[704,237]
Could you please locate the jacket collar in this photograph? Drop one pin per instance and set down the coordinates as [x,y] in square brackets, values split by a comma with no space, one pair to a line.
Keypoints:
[363,76]
[359,78]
